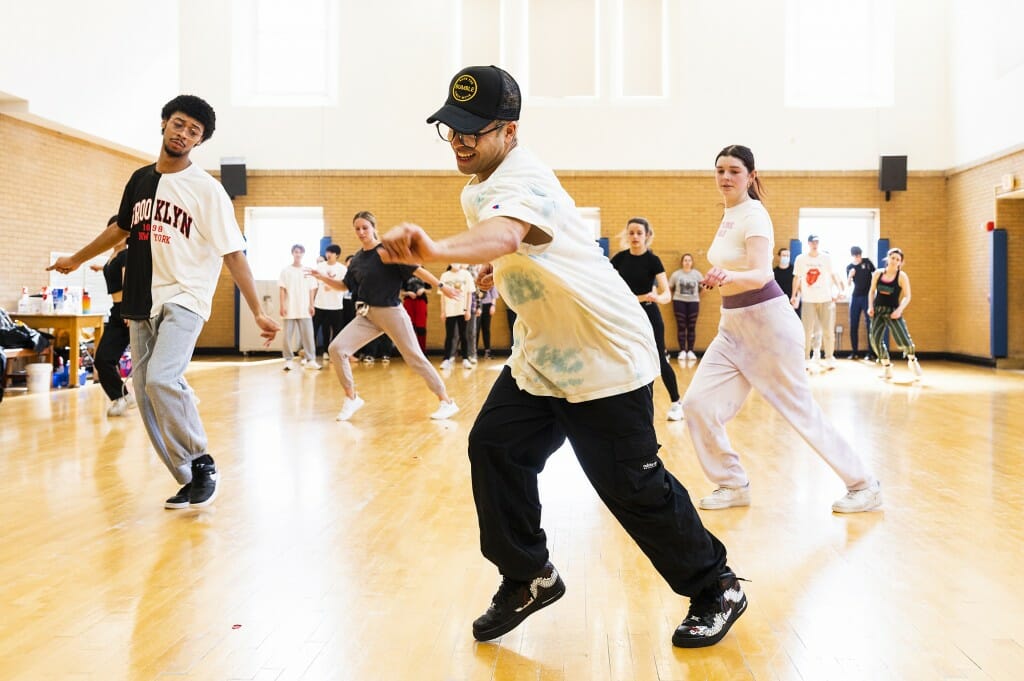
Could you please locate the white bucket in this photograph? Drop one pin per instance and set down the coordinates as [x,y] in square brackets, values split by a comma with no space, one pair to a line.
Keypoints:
[38,375]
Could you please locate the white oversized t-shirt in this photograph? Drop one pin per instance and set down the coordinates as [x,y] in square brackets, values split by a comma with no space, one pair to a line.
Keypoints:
[816,277]
[729,247]
[461,281]
[188,253]
[328,297]
[297,285]
[580,334]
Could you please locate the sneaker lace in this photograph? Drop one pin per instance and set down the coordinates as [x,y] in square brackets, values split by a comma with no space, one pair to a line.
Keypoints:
[508,593]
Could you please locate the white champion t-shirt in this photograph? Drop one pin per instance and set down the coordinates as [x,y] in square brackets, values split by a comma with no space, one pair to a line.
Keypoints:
[580,334]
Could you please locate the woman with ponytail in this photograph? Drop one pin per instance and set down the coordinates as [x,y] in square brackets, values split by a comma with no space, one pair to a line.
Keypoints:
[760,345]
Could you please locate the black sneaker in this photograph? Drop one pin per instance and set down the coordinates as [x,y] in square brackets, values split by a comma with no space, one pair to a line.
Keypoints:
[515,601]
[204,482]
[181,499]
[712,612]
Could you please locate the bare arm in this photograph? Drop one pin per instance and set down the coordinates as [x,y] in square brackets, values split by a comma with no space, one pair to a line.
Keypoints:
[333,283]
[489,240]
[872,292]
[107,239]
[661,294]
[238,266]
[443,289]
[904,296]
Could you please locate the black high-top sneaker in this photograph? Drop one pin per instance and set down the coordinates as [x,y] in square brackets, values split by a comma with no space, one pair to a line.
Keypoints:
[712,612]
[181,499]
[515,601]
[204,482]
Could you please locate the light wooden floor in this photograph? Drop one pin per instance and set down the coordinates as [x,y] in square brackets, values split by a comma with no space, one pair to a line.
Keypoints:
[349,550]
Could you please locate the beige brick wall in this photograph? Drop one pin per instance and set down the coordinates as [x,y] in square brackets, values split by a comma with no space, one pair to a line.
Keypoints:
[57,190]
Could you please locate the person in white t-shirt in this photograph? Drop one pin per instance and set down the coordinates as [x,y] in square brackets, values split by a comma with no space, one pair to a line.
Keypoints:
[817,286]
[456,314]
[297,291]
[181,232]
[329,303]
[581,369]
[758,346]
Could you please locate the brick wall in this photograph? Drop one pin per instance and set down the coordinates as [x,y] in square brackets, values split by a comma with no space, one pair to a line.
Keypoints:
[57,190]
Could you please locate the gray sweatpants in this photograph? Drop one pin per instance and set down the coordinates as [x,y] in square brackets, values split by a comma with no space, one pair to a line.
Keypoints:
[303,328]
[822,316]
[395,322]
[761,347]
[162,347]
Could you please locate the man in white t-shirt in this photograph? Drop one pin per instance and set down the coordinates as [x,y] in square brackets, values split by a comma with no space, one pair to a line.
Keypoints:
[456,314]
[581,370]
[181,232]
[329,303]
[816,285]
[298,291]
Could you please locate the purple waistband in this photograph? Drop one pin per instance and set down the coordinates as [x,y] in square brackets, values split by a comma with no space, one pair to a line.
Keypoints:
[748,298]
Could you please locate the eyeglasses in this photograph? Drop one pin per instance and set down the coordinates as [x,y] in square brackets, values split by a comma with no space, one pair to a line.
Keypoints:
[180,125]
[469,139]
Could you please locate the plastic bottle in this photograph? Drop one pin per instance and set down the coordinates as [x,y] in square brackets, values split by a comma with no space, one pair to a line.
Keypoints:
[86,302]
[47,301]
[24,303]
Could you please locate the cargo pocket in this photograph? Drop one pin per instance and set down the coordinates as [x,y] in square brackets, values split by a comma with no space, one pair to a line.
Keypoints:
[639,473]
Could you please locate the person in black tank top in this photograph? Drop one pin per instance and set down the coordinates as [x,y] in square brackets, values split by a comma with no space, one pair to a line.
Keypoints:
[888,298]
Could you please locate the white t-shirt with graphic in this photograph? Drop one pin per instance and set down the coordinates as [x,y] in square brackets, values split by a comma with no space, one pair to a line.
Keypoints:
[188,254]
[729,248]
[816,277]
[461,281]
[328,297]
[579,334]
[297,285]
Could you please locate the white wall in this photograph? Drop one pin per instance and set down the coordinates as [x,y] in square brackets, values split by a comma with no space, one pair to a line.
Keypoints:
[107,67]
[104,67]
[987,78]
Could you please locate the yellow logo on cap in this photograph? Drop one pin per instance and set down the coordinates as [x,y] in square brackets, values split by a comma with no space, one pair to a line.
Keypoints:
[464,88]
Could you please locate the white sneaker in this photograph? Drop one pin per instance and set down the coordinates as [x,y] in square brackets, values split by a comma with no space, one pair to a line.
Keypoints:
[288,365]
[675,412]
[682,357]
[690,355]
[466,364]
[446,364]
[915,367]
[130,400]
[313,365]
[350,407]
[887,371]
[726,497]
[118,407]
[369,359]
[445,410]
[861,500]
[327,357]
[830,364]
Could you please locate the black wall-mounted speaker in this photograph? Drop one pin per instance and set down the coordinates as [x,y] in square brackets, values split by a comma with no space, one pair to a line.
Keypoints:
[232,176]
[892,173]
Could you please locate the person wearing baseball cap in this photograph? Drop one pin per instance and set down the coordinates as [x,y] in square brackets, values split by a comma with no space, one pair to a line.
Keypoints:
[582,367]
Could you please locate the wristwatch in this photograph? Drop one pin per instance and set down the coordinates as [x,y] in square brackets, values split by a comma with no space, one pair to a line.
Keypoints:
[440,284]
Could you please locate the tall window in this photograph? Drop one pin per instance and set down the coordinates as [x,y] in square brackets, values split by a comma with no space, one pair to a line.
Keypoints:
[839,54]
[284,53]
[554,70]
[642,27]
[270,234]
[838,230]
